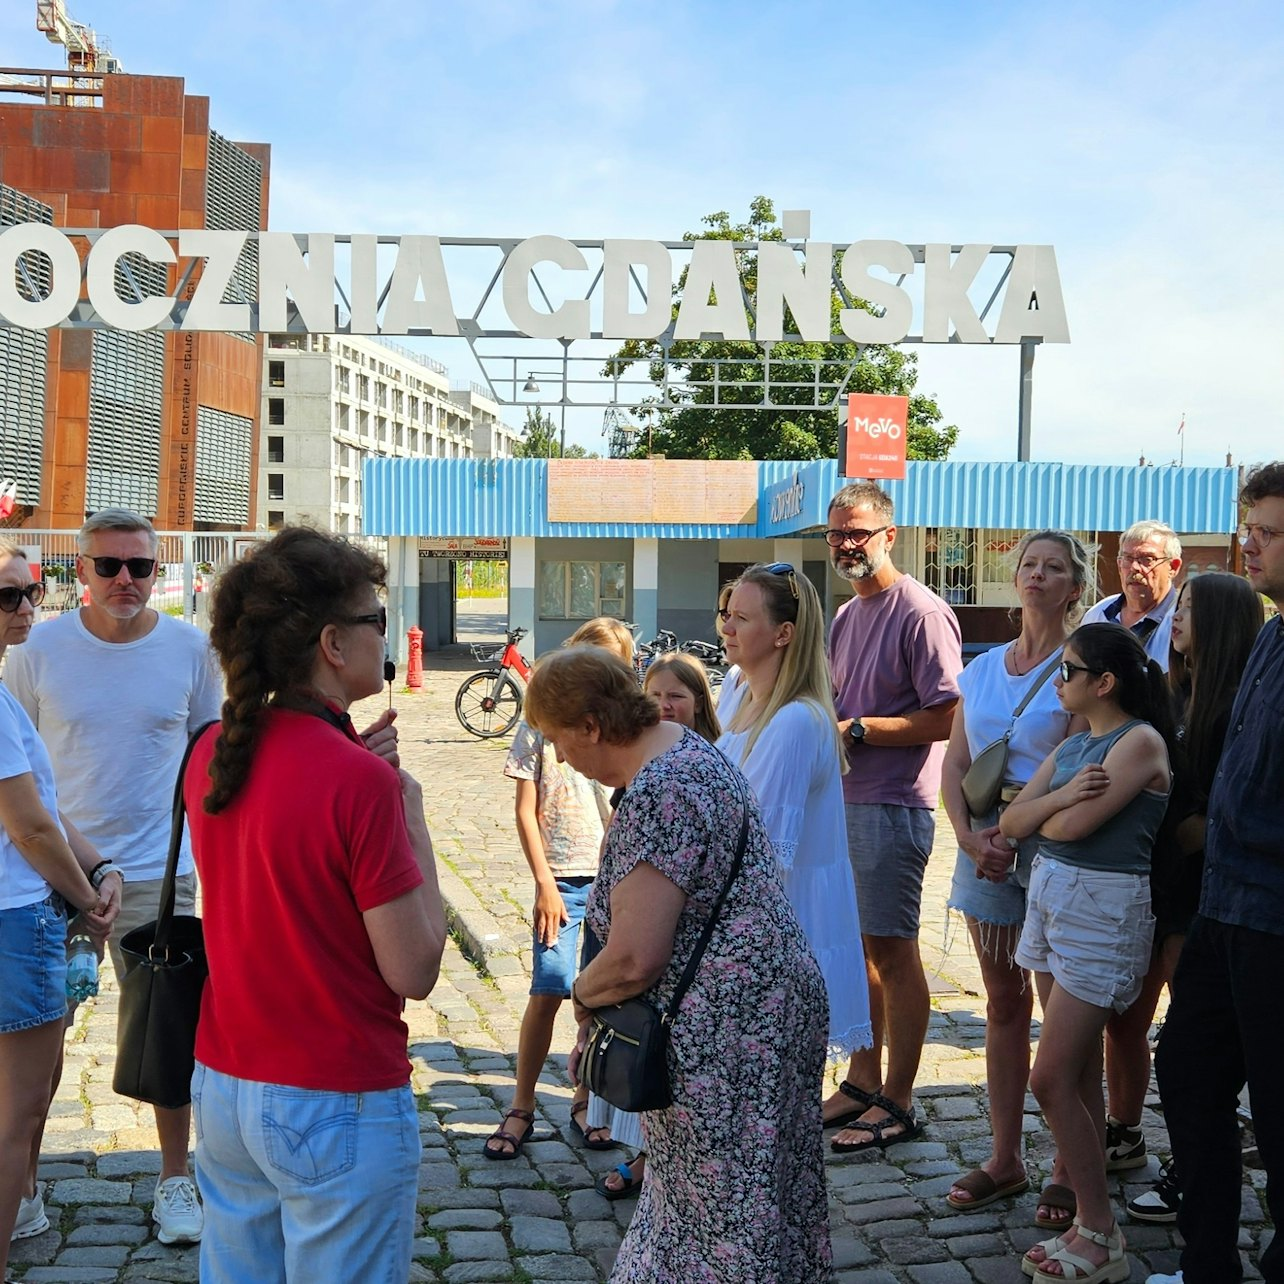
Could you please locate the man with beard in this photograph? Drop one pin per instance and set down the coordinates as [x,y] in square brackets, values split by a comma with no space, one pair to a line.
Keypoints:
[895,652]
[1149,559]
[115,689]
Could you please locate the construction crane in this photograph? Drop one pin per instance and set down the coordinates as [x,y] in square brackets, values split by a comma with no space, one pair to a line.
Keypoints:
[88,53]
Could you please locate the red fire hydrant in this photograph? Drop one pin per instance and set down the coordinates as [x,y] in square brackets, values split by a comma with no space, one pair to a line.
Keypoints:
[415,665]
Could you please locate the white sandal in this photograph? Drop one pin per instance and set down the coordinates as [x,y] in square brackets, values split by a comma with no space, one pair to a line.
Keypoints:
[1114,1270]
[1050,1246]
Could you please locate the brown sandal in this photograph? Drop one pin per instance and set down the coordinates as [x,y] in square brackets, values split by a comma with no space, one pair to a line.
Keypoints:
[527,1117]
[984,1190]
[1055,1195]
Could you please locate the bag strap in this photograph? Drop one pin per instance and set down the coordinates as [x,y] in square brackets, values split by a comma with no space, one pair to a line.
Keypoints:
[688,974]
[1044,674]
[165,913]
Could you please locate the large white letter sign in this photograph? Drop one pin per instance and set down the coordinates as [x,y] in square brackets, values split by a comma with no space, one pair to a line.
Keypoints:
[571,320]
[363,297]
[807,289]
[712,267]
[419,259]
[222,251]
[864,327]
[945,294]
[64,290]
[1032,306]
[100,277]
[311,282]
[617,258]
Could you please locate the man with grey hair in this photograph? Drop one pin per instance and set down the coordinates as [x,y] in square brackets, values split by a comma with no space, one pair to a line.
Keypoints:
[1149,559]
[116,688]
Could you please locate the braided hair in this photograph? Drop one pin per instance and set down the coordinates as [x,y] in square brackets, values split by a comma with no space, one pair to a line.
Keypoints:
[266,618]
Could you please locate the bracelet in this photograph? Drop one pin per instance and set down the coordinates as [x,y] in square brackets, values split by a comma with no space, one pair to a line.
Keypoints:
[98,873]
[575,998]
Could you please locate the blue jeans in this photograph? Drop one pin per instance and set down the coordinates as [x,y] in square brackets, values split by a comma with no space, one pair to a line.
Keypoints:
[553,966]
[302,1186]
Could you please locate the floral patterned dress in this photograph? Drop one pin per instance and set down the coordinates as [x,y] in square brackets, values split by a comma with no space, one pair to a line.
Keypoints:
[735,1182]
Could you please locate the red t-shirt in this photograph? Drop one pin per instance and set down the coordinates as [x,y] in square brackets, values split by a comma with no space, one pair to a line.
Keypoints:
[314,837]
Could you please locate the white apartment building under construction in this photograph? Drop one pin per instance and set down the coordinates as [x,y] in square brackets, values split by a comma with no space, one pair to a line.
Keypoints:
[329,401]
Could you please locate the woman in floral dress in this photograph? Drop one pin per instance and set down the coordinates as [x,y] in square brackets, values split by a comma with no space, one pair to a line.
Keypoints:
[735,1185]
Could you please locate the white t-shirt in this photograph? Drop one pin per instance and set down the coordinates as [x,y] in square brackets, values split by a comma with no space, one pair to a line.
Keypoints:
[116,717]
[22,751]
[991,694]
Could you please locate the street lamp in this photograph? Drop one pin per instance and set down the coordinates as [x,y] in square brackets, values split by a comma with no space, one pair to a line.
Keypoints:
[530,386]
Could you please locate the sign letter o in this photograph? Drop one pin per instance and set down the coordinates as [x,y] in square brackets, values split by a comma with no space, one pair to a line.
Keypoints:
[38,314]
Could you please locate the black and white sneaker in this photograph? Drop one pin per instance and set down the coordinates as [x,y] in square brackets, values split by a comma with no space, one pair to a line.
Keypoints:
[1161,1202]
[1125,1146]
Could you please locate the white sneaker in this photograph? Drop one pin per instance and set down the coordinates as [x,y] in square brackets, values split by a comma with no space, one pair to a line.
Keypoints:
[177,1212]
[1164,1279]
[32,1219]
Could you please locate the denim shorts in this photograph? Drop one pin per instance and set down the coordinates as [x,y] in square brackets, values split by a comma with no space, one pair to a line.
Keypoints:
[993,904]
[888,846]
[1092,929]
[33,963]
[553,967]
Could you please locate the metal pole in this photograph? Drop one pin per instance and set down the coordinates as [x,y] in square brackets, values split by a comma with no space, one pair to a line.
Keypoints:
[562,455]
[1026,400]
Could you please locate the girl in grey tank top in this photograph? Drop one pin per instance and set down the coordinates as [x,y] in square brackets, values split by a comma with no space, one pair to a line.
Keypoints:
[1096,804]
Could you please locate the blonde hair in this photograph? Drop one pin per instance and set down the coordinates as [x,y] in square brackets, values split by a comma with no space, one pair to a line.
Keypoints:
[804,669]
[607,632]
[691,673]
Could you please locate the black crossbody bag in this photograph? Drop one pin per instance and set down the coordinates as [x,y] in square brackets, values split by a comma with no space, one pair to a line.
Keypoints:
[625,1059]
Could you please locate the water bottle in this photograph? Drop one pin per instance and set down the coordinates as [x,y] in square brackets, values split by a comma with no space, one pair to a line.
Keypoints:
[82,968]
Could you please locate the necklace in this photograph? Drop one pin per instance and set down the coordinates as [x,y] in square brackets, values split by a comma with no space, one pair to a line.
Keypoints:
[1017,670]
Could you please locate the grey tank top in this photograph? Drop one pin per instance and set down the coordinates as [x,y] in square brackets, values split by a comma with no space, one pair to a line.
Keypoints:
[1121,844]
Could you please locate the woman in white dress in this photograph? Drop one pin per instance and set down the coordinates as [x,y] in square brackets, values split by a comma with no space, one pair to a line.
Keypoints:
[777,711]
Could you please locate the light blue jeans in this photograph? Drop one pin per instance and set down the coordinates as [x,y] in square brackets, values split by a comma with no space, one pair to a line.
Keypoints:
[302,1186]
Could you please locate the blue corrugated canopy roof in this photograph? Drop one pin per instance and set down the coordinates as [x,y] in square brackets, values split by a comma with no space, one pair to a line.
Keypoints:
[508,497]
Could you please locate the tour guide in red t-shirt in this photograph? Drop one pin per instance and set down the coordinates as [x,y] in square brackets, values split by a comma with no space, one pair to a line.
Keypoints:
[321,915]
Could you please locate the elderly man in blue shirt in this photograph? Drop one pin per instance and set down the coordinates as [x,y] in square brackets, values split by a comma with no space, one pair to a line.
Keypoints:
[1223,1029]
[1149,559]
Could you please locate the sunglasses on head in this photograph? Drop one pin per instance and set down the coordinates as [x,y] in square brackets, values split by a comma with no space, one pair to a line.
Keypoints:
[109,567]
[784,568]
[378,618]
[11,598]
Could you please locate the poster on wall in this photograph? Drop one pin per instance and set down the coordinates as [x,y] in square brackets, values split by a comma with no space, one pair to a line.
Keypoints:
[873,445]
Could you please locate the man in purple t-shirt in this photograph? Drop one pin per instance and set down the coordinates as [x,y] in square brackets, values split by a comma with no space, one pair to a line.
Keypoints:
[896,653]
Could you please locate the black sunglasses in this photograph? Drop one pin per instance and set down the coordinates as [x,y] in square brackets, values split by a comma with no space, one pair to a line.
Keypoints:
[858,538]
[1068,670]
[378,618]
[11,598]
[784,568]
[109,567]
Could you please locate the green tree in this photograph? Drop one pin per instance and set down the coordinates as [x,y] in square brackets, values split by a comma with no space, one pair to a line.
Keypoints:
[541,439]
[789,428]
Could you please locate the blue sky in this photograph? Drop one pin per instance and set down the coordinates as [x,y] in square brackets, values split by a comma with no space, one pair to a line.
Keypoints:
[1142,141]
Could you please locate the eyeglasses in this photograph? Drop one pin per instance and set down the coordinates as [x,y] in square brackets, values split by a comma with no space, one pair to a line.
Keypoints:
[11,598]
[1260,535]
[1068,670]
[109,567]
[723,614]
[1147,561]
[785,568]
[378,618]
[858,539]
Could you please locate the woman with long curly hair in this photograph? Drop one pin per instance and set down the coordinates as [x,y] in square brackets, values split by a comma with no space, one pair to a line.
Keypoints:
[322,915]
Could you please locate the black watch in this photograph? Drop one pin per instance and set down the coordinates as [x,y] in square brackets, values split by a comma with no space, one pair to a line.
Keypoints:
[856,731]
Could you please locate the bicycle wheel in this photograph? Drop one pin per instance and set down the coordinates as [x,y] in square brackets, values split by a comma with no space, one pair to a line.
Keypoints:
[488,704]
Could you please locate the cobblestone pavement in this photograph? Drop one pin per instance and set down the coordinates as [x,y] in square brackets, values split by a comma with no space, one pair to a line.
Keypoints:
[537,1219]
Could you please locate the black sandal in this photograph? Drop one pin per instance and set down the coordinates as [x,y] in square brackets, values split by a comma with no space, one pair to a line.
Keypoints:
[631,1184]
[866,1099]
[527,1117]
[590,1143]
[907,1119]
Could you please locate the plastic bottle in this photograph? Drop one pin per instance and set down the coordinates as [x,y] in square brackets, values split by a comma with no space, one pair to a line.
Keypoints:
[82,968]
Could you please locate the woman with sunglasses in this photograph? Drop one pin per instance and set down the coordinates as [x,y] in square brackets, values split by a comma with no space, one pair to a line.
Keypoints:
[322,915]
[779,728]
[1096,804]
[47,871]
[1052,573]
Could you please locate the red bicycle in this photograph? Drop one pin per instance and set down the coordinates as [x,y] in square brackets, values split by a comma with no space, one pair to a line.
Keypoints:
[489,703]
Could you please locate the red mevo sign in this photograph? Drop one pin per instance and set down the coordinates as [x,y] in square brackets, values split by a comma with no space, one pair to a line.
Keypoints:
[873,447]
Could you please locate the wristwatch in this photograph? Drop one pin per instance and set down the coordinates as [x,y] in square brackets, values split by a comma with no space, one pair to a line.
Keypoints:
[856,731]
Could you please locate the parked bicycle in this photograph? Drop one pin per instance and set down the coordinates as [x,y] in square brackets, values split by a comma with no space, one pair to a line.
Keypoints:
[489,703]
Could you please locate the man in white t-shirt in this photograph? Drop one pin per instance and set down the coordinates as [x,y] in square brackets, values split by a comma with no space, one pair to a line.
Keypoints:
[116,688]
[1149,559]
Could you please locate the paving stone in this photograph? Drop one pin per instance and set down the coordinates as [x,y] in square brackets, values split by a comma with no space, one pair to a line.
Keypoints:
[557,1268]
[477,1245]
[96,1215]
[594,1235]
[909,1250]
[93,1255]
[941,1273]
[533,1203]
[476,1272]
[90,1190]
[540,1234]
[884,1209]
[466,1219]
[70,1275]
[111,1233]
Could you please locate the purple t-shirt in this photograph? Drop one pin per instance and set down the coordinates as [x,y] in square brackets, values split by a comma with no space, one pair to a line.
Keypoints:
[891,654]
